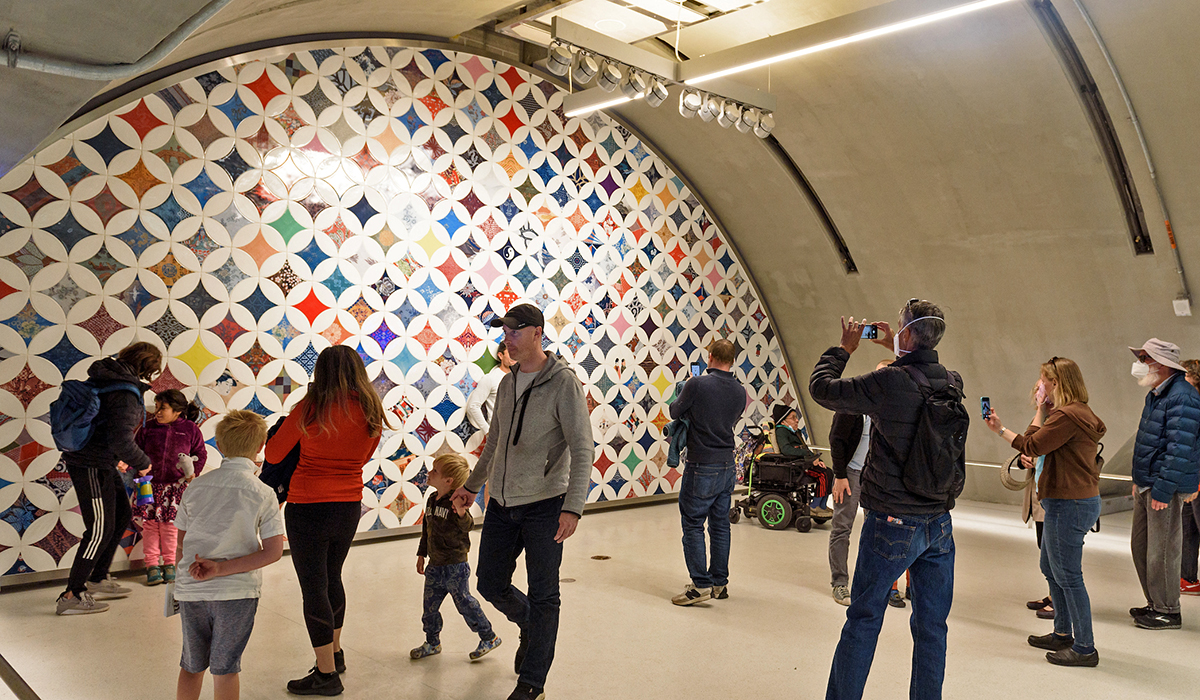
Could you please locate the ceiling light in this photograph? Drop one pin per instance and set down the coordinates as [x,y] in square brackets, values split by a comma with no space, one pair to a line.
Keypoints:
[707,68]
[670,10]
[730,114]
[586,68]
[748,121]
[711,108]
[766,122]
[587,101]
[690,102]
[559,60]
[633,84]
[656,93]
[609,77]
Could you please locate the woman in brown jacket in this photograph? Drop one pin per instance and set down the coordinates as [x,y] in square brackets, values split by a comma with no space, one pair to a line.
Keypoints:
[1067,435]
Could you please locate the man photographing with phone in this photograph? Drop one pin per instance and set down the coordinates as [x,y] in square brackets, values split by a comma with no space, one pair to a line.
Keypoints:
[913,472]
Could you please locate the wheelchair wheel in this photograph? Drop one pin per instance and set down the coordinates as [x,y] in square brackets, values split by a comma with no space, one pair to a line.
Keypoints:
[774,512]
[734,515]
[804,523]
[820,521]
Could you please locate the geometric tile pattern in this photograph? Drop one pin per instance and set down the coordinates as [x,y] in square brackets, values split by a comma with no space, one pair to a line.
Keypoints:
[388,199]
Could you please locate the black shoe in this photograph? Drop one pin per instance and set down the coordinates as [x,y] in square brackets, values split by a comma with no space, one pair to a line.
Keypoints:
[1138,612]
[720,592]
[524,691]
[1070,657]
[519,659]
[339,660]
[1159,621]
[895,600]
[316,683]
[1052,642]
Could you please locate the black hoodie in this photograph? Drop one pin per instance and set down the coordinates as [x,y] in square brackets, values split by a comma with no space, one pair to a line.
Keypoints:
[121,416]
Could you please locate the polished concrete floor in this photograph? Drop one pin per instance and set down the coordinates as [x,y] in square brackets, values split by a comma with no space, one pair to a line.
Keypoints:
[621,638]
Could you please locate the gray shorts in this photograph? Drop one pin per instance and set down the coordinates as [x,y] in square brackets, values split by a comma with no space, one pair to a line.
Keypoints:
[215,633]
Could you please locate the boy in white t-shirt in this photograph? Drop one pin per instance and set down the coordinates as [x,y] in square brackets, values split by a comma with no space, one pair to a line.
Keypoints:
[230,527]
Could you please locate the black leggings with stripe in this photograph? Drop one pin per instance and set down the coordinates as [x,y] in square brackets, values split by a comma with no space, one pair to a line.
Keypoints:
[106,515]
[319,537]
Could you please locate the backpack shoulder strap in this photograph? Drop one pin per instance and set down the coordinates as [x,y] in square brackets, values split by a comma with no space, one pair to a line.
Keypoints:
[919,377]
[118,386]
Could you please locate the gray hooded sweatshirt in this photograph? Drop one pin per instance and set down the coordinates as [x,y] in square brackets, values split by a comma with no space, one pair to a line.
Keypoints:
[540,444]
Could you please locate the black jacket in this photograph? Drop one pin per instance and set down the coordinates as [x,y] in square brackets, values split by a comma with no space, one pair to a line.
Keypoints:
[121,416]
[894,402]
[844,436]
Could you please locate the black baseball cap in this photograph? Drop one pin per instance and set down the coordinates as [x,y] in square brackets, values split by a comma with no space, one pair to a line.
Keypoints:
[520,316]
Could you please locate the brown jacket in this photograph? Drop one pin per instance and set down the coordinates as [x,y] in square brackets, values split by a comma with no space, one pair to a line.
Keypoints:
[1068,440]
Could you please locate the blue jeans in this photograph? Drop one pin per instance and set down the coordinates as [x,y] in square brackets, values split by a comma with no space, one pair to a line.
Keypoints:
[923,544]
[452,580]
[705,496]
[1067,521]
[506,533]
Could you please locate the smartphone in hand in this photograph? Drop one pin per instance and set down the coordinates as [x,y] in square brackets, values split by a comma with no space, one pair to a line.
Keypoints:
[695,369]
[870,332]
[985,405]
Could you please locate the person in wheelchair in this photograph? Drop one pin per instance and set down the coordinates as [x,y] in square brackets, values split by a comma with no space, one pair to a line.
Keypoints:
[789,443]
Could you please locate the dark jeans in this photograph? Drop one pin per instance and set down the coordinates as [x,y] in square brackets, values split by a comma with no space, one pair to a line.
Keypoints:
[319,536]
[507,531]
[1191,540]
[451,580]
[705,496]
[106,514]
[1067,522]
[923,544]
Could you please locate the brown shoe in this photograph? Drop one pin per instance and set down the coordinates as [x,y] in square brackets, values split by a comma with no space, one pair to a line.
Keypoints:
[1038,604]
[1046,613]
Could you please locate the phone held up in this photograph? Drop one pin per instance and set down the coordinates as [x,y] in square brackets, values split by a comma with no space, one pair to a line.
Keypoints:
[985,405]
[695,369]
[870,332]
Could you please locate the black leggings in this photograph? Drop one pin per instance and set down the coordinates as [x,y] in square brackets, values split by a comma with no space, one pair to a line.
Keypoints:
[319,535]
[106,514]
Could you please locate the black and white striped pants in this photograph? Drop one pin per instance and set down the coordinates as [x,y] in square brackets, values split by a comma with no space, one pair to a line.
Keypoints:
[106,514]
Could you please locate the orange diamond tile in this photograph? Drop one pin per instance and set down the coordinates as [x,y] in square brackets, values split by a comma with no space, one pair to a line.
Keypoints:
[427,337]
[139,179]
[259,249]
[311,307]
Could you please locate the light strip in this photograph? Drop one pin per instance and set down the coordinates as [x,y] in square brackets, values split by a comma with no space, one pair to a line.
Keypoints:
[853,38]
[588,109]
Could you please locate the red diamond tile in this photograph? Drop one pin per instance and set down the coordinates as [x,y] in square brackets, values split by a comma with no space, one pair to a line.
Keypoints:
[264,89]
[450,269]
[141,119]
[311,307]
[507,296]
[427,337]
[512,121]
[255,358]
[335,333]
[166,380]
[434,103]
[105,205]
[575,301]
[467,338]
[101,325]
[677,255]
[25,386]
[513,78]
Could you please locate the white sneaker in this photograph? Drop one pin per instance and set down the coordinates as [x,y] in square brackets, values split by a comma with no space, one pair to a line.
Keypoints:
[82,605]
[107,589]
[692,595]
[841,595]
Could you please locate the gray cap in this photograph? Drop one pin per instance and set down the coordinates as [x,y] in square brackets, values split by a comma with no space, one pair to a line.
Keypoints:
[1164,353]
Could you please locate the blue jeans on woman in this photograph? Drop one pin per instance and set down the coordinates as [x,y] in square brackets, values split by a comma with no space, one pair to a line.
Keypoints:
[705,496]
[889,544]
[1067,521]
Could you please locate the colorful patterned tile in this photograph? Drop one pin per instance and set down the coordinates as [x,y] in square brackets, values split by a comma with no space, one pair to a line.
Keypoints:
[27,322]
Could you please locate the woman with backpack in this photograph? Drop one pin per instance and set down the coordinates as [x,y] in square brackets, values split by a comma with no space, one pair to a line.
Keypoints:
[338,425]
[1066,432]
[121,382]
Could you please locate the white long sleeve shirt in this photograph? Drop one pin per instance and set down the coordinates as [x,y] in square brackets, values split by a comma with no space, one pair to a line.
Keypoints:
[484,396]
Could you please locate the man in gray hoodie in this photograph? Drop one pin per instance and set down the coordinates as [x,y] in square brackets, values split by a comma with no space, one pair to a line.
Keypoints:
[537,461]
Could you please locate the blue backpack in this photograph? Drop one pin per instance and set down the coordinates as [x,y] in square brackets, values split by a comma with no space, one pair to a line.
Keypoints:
[73,413]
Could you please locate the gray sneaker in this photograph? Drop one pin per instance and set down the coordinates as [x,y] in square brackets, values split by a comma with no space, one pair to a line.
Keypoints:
[82,605]
[692,595]
[720,592]
[107,589]
[841,595]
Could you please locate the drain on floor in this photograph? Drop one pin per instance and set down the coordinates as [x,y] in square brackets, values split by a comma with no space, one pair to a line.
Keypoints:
[566,580]
[601,557]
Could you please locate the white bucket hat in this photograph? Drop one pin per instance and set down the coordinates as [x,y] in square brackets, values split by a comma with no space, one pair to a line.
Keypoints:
[1164,353]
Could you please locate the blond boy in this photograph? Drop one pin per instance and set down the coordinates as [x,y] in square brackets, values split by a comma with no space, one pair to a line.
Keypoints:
[445,540]
[230,527]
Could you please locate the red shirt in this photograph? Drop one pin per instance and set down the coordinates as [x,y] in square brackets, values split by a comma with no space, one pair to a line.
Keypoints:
[330,468]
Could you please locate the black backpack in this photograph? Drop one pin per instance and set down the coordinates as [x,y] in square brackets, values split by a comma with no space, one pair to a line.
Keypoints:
[278,475]
[934,466]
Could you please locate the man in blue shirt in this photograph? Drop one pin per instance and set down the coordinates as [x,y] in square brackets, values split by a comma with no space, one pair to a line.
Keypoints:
[712,404]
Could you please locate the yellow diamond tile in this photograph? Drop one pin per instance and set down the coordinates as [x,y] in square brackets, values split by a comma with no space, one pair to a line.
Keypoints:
[198,357]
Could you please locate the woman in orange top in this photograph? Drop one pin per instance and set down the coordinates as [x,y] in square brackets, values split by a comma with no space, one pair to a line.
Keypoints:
[338,425]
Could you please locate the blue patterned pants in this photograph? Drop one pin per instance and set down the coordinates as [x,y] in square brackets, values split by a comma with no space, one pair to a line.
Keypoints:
[452,580]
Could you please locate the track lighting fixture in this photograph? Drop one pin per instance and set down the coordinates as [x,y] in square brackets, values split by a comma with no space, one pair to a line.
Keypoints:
[633,85]
[689,103]
[559,60]
[730,114]
[586,67]
[766,122]
[609,76]
[656,92]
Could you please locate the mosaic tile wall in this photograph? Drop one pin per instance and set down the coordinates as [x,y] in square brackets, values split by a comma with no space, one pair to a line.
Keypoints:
[389,199]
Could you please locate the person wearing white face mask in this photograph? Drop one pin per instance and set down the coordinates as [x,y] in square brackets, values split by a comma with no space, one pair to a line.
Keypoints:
[1166,474]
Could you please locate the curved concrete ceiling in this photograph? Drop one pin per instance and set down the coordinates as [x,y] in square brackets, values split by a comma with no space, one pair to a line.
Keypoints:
[956,161]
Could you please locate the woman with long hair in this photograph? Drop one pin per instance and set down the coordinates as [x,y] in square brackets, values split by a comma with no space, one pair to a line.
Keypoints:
[338,425]
[1067,433]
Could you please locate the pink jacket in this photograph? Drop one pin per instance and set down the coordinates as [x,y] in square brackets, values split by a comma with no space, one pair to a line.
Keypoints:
[163,443]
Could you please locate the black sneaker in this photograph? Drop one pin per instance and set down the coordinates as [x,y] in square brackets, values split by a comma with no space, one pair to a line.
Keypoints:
[1159,621]
[316,683]
[519,659]
[895,600]
[1138,612]
[339,660]
[524,691]
[1052,642]
[1070,657]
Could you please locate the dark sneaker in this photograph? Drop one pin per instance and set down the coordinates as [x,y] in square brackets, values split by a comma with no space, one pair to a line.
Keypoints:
[692,595]
[316,683]
[1144,610]
[841,595]
[424,650]
[339,660]
[1159,621]
[720,592]
[896,600]
[107,589]
[1070,657]
[1052,642]
[485,645]
[519,659]
[83,604]
[524,691]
